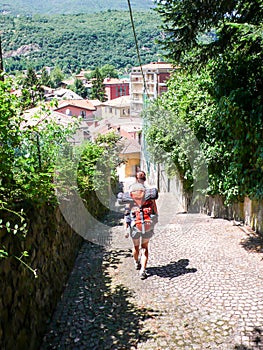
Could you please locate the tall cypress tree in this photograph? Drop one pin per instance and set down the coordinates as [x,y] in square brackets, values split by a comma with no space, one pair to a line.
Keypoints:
[32,91]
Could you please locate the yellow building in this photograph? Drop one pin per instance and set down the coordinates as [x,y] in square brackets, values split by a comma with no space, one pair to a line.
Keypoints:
[131,154]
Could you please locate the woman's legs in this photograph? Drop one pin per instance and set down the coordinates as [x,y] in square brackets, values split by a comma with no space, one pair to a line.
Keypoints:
[136,250]
[144,253]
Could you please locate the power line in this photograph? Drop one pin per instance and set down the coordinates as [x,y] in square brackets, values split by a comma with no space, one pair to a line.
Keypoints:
[1,61]
[137,48]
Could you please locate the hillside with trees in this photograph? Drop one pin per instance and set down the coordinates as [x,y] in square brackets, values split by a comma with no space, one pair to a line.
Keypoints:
[30,7]
[73,42]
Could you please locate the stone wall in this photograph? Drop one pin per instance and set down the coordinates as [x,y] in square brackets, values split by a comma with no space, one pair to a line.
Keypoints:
[26,303]
[250,212]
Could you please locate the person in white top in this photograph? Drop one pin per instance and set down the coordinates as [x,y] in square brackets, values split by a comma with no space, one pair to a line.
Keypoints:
[138,239]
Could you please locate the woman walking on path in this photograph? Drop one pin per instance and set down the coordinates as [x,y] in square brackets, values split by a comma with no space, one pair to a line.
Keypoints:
[140,230]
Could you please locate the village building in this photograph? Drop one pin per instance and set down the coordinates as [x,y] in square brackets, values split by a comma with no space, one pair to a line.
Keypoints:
[131,155]
[66,83]
[62,94]
[98,105]
[39,115]
[82,75]
[115,88]
[148,86]
[130,132]
[78,108]
[117,108]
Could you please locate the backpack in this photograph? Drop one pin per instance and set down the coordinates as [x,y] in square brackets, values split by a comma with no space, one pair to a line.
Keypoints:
[141,213]
[143,217]
[125,198]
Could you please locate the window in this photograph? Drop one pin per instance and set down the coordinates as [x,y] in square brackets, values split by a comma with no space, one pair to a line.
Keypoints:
[86,135]
[83,114]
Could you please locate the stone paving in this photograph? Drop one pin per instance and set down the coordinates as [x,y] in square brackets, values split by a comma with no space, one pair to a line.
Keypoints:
[204,291]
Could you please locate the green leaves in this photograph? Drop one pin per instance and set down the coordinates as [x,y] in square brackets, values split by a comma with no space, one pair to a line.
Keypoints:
[3,254]
[174,146]
[11,226]
[22,228]
[28,159]
[220,93]
[188,24]
[98,88]
[229,135]
[10,133]
[98,163]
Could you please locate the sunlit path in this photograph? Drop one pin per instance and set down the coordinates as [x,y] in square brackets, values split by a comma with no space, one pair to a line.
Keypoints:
[204,291]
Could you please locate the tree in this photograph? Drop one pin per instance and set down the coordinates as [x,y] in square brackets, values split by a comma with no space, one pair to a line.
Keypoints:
[45,78]
[79,88]
[10,135]
[225,72]
[187,23]
[56,76]
[98,88]
[109,71]
[32,91]
[106,71]
[1,61]
[32,158]
[76,41]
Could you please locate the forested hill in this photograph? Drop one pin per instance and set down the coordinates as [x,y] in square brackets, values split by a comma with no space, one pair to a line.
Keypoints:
[81,41]
[28,7]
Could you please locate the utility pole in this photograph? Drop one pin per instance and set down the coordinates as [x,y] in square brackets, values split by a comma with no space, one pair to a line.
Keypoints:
[1,61]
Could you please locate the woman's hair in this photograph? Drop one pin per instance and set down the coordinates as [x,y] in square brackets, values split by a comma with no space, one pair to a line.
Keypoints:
[141,176]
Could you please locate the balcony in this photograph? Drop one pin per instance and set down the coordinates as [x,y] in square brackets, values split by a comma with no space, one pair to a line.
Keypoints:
[134,81]
[135,91]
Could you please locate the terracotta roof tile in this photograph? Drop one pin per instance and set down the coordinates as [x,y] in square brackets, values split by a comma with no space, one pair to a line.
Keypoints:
[86,104]
[109,81]
[122,101]
[131,146]
[156,65]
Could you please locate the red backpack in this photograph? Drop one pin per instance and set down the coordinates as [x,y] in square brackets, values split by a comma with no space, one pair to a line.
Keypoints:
[142,212]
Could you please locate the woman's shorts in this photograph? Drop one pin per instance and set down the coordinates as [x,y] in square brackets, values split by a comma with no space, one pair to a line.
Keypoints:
[135,233]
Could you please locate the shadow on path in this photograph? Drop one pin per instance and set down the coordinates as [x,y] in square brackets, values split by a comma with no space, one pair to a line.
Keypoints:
[255,341]
[171,270]
[254,243]
[94,313]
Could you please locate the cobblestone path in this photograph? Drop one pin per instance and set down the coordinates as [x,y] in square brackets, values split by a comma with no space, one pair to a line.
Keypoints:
[204,291]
